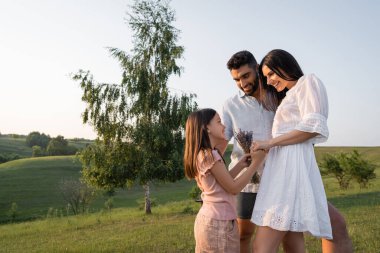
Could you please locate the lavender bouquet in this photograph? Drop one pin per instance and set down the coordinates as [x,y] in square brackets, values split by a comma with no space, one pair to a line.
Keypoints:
[244,138]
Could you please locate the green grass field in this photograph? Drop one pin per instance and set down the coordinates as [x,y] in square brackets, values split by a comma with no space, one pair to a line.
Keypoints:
[170,227]
[11,145]
[32,184]
[17,145]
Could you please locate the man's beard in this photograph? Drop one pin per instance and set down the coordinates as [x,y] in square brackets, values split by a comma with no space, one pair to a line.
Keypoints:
[254,86]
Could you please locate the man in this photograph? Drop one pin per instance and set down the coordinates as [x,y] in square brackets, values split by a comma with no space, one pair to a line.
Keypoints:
[253,109]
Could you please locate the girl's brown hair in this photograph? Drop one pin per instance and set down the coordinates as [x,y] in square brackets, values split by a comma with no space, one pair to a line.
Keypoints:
[197,139]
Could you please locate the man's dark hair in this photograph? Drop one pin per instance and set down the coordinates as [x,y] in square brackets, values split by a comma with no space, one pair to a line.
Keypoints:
[241,58]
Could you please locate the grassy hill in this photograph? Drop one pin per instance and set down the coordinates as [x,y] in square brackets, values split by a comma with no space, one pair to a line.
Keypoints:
[14,145]
[33,184]
[79,143]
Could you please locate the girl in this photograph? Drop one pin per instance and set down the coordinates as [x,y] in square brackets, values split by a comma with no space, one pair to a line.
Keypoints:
[291,198]
[215,227]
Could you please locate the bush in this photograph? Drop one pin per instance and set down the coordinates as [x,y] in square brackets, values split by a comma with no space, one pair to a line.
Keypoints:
[337,165]
[13,211]
[361,170]
[54,213]
[195,193]
[77,194]
[188,210]
[347,166]
[109,204]
[37,151]
[8,157]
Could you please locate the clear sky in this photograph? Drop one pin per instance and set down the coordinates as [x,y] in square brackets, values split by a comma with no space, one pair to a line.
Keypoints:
[43,41]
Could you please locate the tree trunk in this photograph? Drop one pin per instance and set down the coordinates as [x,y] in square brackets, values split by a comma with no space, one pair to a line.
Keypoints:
[147,199]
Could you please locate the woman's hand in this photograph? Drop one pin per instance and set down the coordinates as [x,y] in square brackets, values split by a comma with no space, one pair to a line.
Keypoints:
[261,145]
[258,157]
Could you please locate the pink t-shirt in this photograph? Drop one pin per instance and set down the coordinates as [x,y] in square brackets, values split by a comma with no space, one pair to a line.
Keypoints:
[217,203]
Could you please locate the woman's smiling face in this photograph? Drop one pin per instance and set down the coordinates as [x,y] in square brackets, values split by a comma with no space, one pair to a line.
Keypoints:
[275,80]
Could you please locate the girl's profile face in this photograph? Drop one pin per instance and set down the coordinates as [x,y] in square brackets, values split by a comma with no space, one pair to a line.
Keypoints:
[215,128]
[276,81]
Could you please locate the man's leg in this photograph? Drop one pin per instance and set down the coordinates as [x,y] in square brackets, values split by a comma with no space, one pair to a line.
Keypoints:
[245,203]
[246,230]
[341,242]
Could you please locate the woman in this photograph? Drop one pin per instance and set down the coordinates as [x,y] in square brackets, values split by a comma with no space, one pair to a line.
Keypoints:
[291,199]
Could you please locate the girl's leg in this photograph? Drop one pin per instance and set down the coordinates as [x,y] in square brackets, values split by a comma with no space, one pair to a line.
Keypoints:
[267,240]
[294,242]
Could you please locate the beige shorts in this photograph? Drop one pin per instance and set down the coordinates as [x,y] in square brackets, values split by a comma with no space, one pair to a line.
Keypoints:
[216,235]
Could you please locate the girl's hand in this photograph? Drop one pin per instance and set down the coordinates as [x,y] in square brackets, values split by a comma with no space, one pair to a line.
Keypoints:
[244,161]
[260,145]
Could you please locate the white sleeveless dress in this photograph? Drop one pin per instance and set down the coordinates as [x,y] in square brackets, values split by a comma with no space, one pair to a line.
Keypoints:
[291,196]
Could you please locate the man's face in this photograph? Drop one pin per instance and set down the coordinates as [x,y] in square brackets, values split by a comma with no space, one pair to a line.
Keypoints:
[246,79]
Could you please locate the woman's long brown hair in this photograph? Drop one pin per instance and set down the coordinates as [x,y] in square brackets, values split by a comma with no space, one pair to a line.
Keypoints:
[285,66]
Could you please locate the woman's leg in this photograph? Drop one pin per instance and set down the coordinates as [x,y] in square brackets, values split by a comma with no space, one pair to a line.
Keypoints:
[267,240]
[294,242]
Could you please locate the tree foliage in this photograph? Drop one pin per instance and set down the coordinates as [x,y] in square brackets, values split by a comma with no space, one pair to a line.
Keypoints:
[9,157]
[60,146]
[37,139]
[37,151]
[139,123]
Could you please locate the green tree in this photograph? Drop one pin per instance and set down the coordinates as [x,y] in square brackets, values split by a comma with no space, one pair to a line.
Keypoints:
[139,123]
[57,146]
[37,151]
[37,139]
